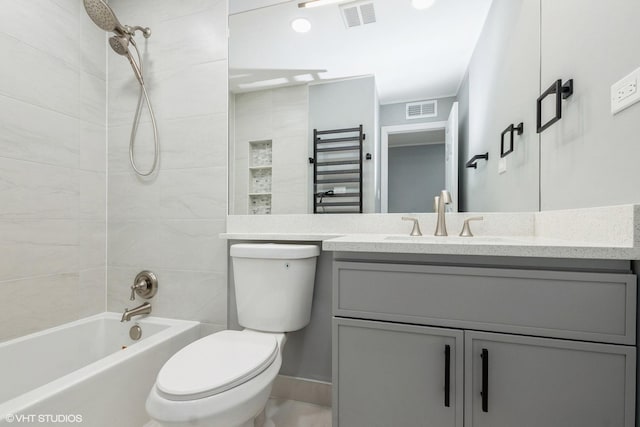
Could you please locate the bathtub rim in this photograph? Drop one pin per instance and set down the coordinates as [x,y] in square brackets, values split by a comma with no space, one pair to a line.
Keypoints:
[22,402]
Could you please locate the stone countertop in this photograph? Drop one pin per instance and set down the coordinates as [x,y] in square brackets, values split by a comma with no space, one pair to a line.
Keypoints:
[610,232]
[516,246]
[282,237]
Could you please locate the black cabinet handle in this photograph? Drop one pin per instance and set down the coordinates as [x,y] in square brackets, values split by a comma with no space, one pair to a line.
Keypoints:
[511,130]
[562,91]
[485,380]
[447,376]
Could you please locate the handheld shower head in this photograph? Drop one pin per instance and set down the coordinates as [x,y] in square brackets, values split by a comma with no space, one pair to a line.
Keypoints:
[120,45]
[102,15]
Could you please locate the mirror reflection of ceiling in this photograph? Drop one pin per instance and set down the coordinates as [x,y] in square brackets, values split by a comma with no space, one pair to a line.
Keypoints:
[416,138]
[414,54]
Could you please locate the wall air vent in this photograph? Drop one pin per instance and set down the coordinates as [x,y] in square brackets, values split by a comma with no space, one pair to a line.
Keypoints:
[358,13]
[422,109]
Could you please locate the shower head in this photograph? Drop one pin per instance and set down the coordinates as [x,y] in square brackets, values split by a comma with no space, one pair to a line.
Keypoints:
[120,44]
[102,15]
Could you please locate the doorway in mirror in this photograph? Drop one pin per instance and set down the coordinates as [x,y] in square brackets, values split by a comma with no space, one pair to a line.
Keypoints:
[417,162]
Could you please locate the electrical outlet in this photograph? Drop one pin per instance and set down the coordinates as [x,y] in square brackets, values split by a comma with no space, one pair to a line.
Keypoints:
[625,92]
[502,165]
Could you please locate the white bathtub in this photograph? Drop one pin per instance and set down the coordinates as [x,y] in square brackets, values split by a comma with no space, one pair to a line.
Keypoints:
[79,373]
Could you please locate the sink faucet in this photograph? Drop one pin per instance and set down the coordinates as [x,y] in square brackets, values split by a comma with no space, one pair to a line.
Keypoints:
[439,203]
[138,311]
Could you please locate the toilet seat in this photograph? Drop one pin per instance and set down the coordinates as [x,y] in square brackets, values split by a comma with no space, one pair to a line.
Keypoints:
[215,364]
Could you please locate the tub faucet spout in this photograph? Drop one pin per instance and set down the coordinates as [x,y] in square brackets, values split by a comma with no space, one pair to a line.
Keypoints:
[138,311]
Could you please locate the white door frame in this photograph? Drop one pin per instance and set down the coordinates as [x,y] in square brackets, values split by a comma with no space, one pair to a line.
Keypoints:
[384,153]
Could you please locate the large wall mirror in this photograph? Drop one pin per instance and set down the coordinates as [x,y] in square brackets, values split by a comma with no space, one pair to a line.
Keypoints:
[445,93]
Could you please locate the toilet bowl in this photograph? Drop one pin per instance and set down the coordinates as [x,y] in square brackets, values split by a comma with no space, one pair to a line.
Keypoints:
[224,379]
[229,390]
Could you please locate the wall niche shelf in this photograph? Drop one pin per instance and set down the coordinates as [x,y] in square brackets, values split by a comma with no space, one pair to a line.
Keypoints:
[260,177]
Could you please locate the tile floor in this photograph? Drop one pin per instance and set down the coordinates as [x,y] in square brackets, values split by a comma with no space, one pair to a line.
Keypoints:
[291,413]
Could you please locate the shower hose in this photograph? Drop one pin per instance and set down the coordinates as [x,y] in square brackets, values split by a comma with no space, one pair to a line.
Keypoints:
[136,122]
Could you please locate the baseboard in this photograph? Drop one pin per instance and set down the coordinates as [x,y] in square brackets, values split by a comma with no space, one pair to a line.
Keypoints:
[302,390]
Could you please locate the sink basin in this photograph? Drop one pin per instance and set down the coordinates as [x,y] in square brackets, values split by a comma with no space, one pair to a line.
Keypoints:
[455,239]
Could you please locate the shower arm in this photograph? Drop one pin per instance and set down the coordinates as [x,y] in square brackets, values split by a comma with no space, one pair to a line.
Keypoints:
[131,31]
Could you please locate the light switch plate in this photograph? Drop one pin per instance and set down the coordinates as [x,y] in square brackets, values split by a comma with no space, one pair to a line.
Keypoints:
[502,165]
[625,92]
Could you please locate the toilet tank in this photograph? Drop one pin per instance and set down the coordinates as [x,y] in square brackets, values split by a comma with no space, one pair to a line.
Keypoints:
[274,285]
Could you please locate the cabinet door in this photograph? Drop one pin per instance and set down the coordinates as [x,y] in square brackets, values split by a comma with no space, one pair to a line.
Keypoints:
[392,375]
[515,381]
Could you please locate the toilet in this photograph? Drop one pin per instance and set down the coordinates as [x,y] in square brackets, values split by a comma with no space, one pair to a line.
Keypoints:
[224,379]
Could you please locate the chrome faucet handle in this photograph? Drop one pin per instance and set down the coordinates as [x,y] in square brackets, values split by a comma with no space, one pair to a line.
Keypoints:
[466,230]
[145,285]
[416,225]
[138,286]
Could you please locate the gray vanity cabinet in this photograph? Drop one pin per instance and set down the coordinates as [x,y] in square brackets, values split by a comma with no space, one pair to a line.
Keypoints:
[550,348]
[397,375]
[535,382]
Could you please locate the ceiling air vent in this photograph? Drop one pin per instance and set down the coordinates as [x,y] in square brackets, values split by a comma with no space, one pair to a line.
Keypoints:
[422,109]
[358,13]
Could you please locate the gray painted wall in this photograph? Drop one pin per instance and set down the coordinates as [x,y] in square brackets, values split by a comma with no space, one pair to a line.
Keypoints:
[500,89]
[416,173]
[395,114]
[590,158]
[345,104]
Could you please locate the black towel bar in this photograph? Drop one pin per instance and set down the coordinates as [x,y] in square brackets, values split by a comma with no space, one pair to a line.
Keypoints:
[562,91]
[472,163]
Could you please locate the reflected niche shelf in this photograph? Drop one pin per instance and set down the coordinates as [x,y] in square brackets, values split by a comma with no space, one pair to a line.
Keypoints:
[337,170]
[260,177]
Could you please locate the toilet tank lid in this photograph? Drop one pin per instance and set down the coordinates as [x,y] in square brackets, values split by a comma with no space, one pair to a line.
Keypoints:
[273,251]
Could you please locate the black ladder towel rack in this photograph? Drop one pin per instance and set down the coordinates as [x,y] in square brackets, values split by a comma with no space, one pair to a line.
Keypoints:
[337,163]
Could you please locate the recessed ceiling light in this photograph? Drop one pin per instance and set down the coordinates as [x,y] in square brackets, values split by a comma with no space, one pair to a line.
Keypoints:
[422,4]
[301,25]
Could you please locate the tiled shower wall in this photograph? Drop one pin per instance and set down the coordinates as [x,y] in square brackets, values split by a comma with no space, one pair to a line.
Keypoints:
[170,223]
[280,116]
[52,165]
